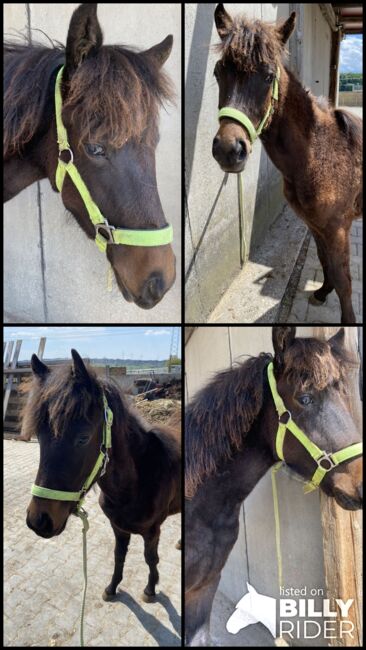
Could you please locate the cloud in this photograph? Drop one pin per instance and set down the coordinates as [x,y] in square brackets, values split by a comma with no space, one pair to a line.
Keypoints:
[351,54]
[156,332]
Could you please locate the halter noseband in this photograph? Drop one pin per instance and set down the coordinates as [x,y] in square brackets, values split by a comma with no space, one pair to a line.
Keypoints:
[239,116]
[325,461]
[104,233]
[101,463]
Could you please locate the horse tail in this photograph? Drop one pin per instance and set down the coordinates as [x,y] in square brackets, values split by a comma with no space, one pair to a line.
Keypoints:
[350,125]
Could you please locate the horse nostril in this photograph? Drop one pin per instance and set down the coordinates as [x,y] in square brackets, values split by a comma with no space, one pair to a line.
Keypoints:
[155,287]
[43,522]
[216,142]
[240,149]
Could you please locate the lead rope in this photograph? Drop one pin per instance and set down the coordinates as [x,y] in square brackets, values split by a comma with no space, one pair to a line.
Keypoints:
[84,517]
[242,242]
[276,511]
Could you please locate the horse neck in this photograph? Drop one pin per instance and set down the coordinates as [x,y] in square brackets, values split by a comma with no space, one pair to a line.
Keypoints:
[287,138]
[237,477]
[128,440]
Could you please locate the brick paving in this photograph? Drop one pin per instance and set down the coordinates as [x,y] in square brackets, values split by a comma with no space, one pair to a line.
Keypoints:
[311,279]
[43,578]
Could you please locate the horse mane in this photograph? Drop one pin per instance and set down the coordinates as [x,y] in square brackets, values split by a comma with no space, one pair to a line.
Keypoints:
[250,44]
[219,417]
[114,95]
[27,76]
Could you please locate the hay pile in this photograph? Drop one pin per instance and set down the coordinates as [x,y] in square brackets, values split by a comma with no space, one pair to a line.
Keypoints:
[159,410]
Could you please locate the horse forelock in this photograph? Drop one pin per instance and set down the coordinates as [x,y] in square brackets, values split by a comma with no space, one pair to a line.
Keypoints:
[312,364]
[60,399]
[116,95]
[250,44]
[219,417]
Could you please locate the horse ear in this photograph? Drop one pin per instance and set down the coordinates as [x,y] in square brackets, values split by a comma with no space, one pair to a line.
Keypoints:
[39,368]
[223,21]
[282,338]
[337,341]
[160,52]
[80,371]
[84,38]
[285,30]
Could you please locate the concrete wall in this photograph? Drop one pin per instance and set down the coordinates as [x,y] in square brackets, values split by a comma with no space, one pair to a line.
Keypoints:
[38,232]
[253,557]
[211,194]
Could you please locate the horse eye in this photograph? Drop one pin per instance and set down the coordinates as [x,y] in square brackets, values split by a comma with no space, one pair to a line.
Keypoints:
[82,441]
[95,149]
[305,400]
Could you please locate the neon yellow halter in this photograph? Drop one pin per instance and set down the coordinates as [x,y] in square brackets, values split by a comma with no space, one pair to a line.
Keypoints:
[104,233]
[239,116]
[101,463]
[325,461]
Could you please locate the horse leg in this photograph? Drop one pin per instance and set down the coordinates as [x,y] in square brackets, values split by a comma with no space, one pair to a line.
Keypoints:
[198,606]
[151,541]
[120,550]
[338,256]
[319,296]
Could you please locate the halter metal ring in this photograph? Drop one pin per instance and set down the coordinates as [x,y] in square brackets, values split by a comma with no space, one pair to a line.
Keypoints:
[287,412]
[107,228]
[71,155]
[328,459]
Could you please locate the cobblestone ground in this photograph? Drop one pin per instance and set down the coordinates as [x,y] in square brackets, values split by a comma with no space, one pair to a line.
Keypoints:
[43,579]
[311,279]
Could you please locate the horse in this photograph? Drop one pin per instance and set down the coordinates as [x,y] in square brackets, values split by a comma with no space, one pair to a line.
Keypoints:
[110,103]
[231,442]
[140,484]
[317,149]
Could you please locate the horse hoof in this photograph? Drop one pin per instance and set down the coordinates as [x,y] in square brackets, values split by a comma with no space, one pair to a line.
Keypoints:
[147,598]
[106,596]
[179,545]
[315,301]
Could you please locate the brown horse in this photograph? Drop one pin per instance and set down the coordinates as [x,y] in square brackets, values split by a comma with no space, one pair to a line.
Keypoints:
[317,149]
[141,485]
[230,443]
[111,98]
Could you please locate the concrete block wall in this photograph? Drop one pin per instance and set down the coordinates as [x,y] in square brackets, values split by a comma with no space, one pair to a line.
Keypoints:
[253,557]
[53,273]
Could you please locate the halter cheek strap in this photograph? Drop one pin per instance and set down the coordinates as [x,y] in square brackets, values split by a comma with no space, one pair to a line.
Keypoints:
[239,116]
[101,463]
[104,233]
[325,461]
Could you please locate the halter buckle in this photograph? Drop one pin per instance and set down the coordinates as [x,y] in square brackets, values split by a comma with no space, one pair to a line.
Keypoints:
[71,155]
[107,228]
[328,459]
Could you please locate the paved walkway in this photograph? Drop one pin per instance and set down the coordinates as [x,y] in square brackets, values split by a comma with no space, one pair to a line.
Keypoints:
[312,278]
[43,577]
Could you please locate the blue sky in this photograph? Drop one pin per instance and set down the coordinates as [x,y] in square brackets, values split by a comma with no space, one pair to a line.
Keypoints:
[94,341]
[351,53]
